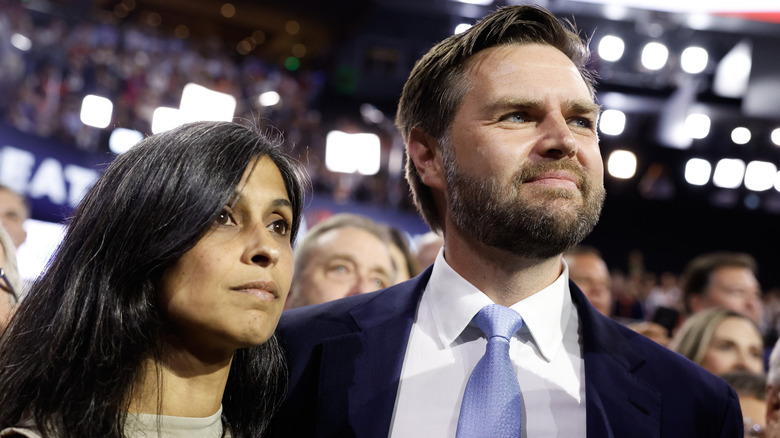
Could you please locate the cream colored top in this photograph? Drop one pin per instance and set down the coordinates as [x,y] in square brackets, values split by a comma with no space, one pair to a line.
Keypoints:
[153,426]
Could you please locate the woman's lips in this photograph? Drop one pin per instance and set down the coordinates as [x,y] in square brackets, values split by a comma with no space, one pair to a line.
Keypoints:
[266,290]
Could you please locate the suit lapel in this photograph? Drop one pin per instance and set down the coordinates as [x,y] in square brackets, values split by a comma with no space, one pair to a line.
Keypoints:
[618,402]
[363,368]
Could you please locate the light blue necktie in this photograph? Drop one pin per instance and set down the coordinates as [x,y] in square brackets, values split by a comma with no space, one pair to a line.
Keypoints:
[492,403]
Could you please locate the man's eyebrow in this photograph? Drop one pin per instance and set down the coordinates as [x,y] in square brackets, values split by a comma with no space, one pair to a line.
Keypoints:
[342,256]
[506,103]
[381,270]
[576,106]
[584,107]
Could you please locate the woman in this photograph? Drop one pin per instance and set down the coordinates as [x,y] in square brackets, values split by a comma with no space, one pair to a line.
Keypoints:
[9,277]
[721,341]
[178,260]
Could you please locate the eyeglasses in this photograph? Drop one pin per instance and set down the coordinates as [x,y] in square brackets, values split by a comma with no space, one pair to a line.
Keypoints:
[7,286]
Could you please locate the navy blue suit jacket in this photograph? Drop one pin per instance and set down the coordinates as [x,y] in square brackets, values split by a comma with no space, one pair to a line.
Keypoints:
[345,360]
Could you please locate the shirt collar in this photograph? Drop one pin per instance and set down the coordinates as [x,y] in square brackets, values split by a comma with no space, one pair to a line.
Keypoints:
[454,302]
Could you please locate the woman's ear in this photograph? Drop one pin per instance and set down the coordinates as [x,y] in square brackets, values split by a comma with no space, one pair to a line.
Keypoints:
[425,152]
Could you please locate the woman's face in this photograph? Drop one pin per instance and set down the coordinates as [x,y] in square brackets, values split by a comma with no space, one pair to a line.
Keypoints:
[228,291]
[736,345]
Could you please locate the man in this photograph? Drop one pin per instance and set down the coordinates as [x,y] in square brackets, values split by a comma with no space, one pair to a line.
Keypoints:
[589,271]
[723,279]
[343,255]
[13,213]
[503,159]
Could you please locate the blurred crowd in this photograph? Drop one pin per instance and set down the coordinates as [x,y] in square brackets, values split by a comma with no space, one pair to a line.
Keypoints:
[139,68]
[714,311]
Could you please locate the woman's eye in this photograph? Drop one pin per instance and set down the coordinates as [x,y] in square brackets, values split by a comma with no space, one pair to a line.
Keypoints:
[225,217]
[280,227]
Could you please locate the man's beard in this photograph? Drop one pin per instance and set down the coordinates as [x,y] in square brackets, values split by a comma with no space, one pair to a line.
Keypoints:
[499,216]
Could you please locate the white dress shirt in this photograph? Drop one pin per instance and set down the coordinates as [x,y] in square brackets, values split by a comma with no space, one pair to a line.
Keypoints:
[444,347]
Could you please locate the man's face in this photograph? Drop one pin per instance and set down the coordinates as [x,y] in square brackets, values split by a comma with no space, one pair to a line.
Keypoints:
[590,273]
[523,168]
[345,261]
[734,288]
[13,213]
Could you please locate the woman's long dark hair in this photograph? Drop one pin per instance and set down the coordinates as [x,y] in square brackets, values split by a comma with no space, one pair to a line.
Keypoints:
[72,352]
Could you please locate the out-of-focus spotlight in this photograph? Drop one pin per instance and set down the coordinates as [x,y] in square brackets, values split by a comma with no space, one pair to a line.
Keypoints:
[697,171]
[371,114]
[760,175]
[740,135]
[611,48]
[621,164]
[462,27]
[269,98]
[775,136]
[199,103]
[350,153]
[694,60]
[165,118]
[292,27]
[777,181]
[21,42]
[654,56]
[227,10]
[732,75]
[122,139]
[612,122]
[96,111]
[697,125]
[729,173]
[615,12]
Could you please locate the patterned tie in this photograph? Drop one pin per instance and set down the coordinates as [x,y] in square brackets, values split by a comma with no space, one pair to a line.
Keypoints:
[492,403]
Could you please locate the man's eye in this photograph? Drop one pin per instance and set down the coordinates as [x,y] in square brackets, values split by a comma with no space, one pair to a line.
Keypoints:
[339,269]
[225,217]
[380,282]
[583,122]
[515,117]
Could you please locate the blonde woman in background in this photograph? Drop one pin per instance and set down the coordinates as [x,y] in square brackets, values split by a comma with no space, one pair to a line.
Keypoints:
[721,341]
[10,283]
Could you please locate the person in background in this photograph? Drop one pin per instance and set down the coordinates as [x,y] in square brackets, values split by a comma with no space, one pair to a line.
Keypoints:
[13,212]
[156,316]
[9,278]
[589,271]
[346,254]
[500,127]
[751,389]
[772,424]
[723,279]
[428,246]
[405,262]
[721,341]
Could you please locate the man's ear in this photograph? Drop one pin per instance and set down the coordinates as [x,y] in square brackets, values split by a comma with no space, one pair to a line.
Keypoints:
[425,152]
